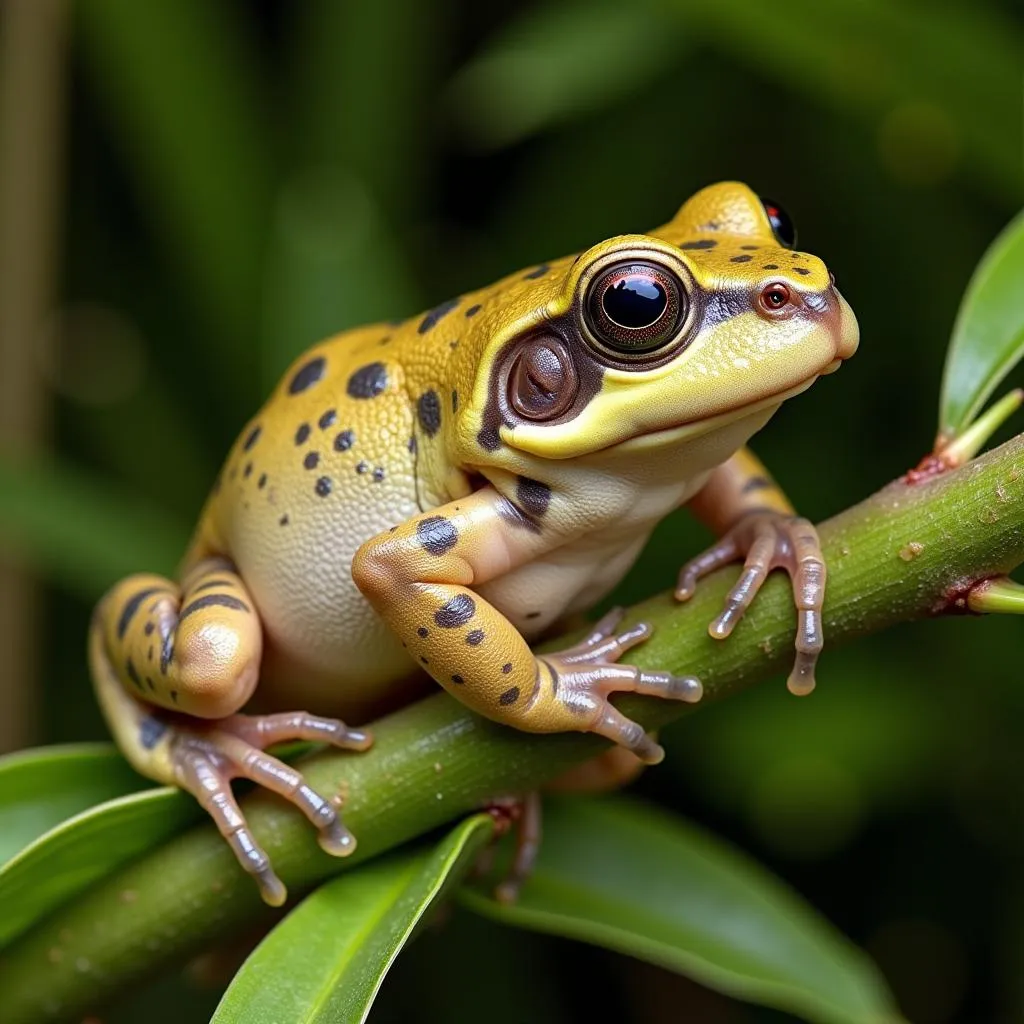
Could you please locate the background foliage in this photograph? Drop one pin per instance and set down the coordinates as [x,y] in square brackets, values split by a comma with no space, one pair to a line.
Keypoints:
[242,178]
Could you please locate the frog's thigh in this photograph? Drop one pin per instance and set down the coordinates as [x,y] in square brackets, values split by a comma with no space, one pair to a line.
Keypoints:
[194,649]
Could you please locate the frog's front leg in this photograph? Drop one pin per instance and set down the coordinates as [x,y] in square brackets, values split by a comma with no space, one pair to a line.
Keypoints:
[171,666]
[757,524]
[419,578]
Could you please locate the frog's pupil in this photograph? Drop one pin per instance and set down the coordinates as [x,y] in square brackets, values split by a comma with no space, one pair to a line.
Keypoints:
[635,301]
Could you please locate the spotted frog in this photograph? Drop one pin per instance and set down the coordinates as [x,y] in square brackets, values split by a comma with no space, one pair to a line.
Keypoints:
[427,497]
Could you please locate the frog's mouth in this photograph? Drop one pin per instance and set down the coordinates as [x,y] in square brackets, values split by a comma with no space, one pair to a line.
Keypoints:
[696,428]
[708,424]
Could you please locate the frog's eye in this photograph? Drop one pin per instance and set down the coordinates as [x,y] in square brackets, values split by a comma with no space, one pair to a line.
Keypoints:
[781,222]
[634,308]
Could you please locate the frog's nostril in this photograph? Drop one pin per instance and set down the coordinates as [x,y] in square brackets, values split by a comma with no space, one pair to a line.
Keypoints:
[816,302]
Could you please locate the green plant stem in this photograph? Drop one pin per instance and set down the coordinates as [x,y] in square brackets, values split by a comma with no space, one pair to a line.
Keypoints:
[904,553]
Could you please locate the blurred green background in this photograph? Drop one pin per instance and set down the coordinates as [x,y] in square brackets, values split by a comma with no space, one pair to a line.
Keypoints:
[193,191]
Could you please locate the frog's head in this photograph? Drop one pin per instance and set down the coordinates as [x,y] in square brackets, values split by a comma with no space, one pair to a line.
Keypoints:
[661,337]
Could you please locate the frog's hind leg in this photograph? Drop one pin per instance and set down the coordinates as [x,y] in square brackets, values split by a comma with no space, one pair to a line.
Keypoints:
[609,770]
[194,652]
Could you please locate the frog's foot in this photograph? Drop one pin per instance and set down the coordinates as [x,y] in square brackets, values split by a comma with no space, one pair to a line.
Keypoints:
[586,675]
[522,813]
[766,541]
[205,758]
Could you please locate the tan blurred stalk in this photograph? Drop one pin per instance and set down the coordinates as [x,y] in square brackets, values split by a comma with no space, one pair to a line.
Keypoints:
[32,37]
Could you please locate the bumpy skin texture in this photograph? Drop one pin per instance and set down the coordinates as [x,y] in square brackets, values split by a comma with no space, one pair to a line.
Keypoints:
[434,494]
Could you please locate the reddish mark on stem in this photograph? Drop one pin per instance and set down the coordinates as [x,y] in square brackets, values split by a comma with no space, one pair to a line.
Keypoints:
[932,465]
[954,600]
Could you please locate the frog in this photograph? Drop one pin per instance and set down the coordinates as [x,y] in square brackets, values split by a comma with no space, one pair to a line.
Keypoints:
[425,499]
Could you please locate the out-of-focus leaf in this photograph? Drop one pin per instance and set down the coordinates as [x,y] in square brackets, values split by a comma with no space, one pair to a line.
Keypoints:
[180,83]
[41,788]
[635,880]
[806,774]
[178,446]
[329,956]
[372,119]
[332,265]
[988,337]
[79,529]
[85,848]
[559,61]
[957,66]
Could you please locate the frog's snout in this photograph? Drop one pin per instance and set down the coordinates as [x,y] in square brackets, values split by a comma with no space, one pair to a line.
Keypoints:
[845,328]
[833,312]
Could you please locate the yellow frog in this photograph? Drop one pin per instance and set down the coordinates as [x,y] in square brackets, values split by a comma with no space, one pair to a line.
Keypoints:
[430,496]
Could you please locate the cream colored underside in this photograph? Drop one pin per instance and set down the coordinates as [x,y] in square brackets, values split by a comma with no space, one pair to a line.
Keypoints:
[327,652]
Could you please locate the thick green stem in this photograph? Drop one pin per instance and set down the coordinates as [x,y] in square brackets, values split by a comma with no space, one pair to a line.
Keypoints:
[906,552]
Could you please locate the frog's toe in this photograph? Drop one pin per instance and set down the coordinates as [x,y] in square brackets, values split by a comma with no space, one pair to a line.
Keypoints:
[766,541]
[724,552]
[207,758]
[202,773]
[587,674]
[266,730]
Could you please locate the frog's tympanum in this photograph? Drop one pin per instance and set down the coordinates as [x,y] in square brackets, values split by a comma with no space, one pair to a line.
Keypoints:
[431,496]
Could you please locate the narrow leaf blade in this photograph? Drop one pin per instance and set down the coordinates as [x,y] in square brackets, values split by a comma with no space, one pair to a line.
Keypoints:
[41,788]
[621,875]
[988,336]
[331,954]
[68,858]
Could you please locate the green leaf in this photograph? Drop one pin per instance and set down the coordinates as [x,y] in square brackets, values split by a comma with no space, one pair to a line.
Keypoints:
[84,532]
[560,61]
[371,119]
[180,83]
[68,858]
[624,876]
[988,336]
[40,788]
[330,954]
[332,265]
[940,89]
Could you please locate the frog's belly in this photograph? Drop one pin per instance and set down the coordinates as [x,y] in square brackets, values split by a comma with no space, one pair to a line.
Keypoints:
[325,649]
